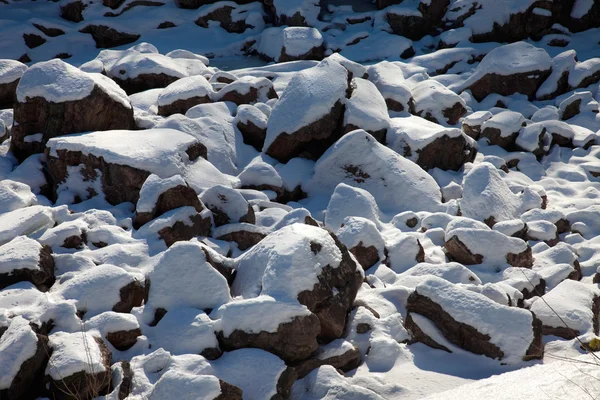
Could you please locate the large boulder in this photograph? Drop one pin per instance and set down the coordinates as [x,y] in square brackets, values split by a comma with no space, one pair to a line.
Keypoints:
[54,98]
[24,259]
[320,274]
[307,118]
[227,205]
[23,355]
[10,74]
[247,90]
[436,103]
[389,80]
[366,109]
[469,320]
[117,163]
[183,94]
[79,366]
[291,43]
[503,129]
[512,68]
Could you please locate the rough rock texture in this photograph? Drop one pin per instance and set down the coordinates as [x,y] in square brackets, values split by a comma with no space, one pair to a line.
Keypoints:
[252,96]
[223,16]
[181,106]
[293,341]
[344,362]
[145,82]
[28,383]
[123,340]
[460,253]
[331,299]
[465,336]
[7,94]
[447,153]
[131,295]
[415,27]
[366,256]
[43,278]
[229,392]
[96,112]
[252,134]
[73,11]
[82,385]
[178,196]
[107,38]
[418,336]
[526,83]
[196,226]
[244,239]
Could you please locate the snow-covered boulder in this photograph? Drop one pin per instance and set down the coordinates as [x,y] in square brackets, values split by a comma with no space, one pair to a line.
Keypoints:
[183,277]
[366,109]
[470,244]
[470,321]
[320,274]
[24,259]
[23,355]
[472,123]
[429,144]
[15,195]
[503,128]
[54,98]
[121,330]
[577,103]
[10,74]
[25,221]
[107,37]
[246,90]
[80,363]
[183,94]
[307,118]
[227,205]
[363,240]
[414,23]
[513,68]
[397,184]
[245,235]
[436,103]
[252,123]
[117,163]
[569,310]
[157,196]
[281,44]
[295,12]
[340,354]
[234,17]
[389,80]
[72,10]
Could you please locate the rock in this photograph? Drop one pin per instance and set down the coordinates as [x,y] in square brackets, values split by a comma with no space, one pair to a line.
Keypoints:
[472,124]
[24,259]
[84,102]
[281,44]
[134,155]
[107,38]
[252,123]
[52,32]
[79,366]
[414,24]
[512,68]
[121,330]
[340,354]
[389,80]
[503,129]
[227,205]
[443,304]
[366,109]
[183,94]
[157,196]
[310,133]
[231,17]
[10,74]
[23,355]
[194,4]
[247,90]
[73,10]
[436,103]
[180,224]
[244,234]
[290,332]
[302,13]
[576,103]
[114,4]
[363,240]
[32,40]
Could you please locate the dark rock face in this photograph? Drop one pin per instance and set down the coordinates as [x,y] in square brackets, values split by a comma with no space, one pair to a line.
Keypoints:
[495,137]
[84,385]
[366,256]
[132,295]
[223,16]
[526,83]
[293,341]
[568,333]
[181,106]
[73,11]
[32,40]
[244,239]
[251,97]
[7,94]
[418,336]
[107,38]
[316,53]
[52,32]
[194,4]
[178,196]
[465,336]
[446,153]
[331,299]
[96,112]
[196,226]
[123,340]
[344,362]
[145,82]
[415,27]
[229,392]
[28,381]
[112,3]
[460,253]
[310,141]
[43,278]
[252,134]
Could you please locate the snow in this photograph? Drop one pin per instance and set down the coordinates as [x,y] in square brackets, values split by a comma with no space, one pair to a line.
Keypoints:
[11,70]
[24,221]
[185,88]
[59,82]
[366,107]
[15,195]
[432,97]
[581,8]
[507,122]
[19,253]
[144,150]
[227,200]
[17,345]
[183,385]
[293,41]
[73,353]
[389,80]
[513,337]
[152,188]
[183,331]
[309,9]
[310,95]
[133,64]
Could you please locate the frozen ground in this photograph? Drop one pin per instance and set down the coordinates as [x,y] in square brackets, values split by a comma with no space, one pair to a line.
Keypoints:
[351,200]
